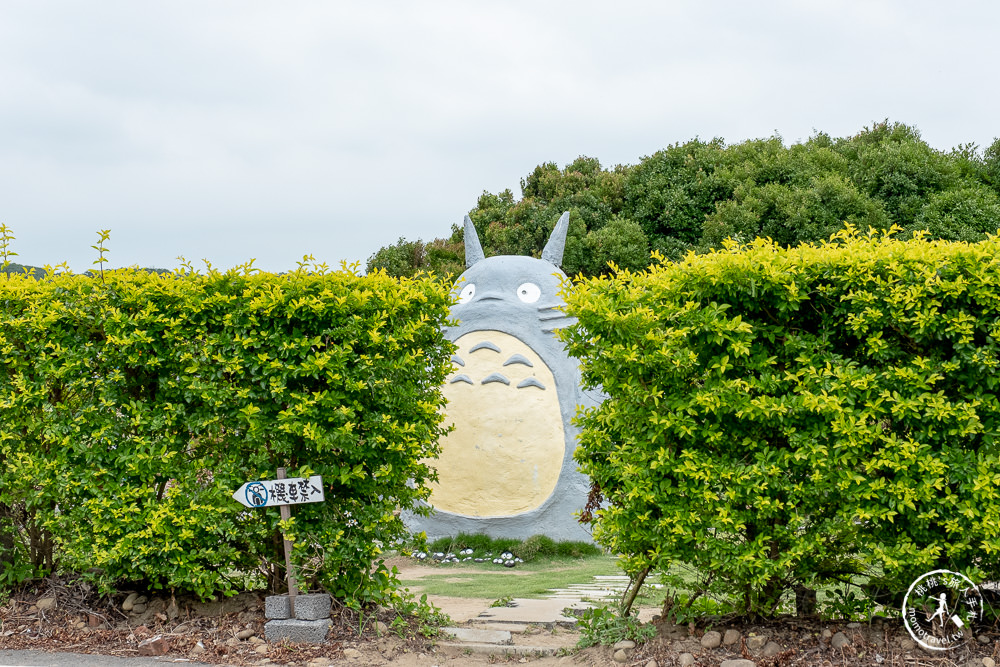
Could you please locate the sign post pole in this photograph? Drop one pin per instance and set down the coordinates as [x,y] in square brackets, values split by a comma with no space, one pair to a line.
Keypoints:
[282,493]
[286,514]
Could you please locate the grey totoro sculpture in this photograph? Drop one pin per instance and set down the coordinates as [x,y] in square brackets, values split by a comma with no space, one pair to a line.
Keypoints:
[507,469]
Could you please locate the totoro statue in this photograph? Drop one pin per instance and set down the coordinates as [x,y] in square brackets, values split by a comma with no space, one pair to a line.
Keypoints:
[507,468]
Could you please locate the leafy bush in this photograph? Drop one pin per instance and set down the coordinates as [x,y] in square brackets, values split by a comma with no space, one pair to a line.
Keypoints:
[133,404]
[601,625]
[573,549]
[534,546]
[794,417]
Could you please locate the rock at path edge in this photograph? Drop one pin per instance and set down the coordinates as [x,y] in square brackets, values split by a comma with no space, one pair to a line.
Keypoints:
[154,646]
[711,639]
[770,649]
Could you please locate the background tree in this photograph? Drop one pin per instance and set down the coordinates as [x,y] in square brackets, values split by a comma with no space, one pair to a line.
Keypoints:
[14,267]
[407,258]
[959,214]
[790,195]
[621,242]
[671,192]
[692,196]
[990,173]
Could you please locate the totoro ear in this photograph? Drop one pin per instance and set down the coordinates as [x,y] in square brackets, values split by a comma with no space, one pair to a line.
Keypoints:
[473,249]
[553,252]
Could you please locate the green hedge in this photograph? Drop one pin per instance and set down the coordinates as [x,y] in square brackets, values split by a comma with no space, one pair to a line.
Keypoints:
[785,418]
[132,406]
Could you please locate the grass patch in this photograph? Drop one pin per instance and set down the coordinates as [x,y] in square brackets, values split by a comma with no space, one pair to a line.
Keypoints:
[528,580]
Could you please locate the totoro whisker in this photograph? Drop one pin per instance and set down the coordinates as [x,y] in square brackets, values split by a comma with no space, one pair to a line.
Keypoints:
[518,359]
[495,377]
[556,323]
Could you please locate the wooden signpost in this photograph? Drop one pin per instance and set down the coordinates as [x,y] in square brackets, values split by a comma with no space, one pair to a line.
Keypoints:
[283,493]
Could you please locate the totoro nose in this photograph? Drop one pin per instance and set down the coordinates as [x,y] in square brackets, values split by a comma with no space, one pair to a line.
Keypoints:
[489,296]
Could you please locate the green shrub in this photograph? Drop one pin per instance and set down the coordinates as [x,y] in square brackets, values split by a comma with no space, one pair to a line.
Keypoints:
[479,542]
[534,546]
[572,549]
[601,625]
[133,404]
[527,550]
[793,417]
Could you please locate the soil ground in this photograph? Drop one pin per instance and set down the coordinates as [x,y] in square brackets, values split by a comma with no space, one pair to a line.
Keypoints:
[62,616]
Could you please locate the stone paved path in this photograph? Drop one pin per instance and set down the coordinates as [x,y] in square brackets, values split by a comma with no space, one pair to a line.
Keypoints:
[532,626]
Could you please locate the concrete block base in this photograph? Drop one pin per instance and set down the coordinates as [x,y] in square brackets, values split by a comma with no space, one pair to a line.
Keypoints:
[276,606]
[311,607]
[295,630]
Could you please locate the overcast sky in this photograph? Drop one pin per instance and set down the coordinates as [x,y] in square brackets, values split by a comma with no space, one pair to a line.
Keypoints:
[231,130]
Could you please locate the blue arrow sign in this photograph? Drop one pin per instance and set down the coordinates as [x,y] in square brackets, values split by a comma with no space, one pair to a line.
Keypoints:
[277,492]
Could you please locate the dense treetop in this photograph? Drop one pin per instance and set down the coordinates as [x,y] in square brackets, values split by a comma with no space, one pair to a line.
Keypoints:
[13,267]
[693,196]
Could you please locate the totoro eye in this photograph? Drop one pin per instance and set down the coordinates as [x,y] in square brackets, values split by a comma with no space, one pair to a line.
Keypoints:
[469,291]
[528,292]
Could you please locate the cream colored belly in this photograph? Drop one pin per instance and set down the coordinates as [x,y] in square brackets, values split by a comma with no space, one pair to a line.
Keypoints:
[506,451]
